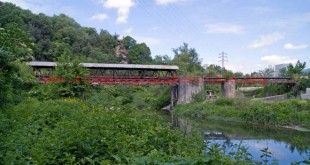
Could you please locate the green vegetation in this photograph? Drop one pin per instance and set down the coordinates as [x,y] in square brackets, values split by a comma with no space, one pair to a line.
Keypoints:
[295,71]
[71,122]
[72,131]
[54,35]
[280,113]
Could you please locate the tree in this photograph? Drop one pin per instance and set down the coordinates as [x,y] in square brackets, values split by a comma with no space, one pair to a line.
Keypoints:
[129,42]
[214,70]
[72,74]
[188,60]
[15,45]
[296,70]
[238,74]
[283,72]
[267,72]
[139,54]
[162,60]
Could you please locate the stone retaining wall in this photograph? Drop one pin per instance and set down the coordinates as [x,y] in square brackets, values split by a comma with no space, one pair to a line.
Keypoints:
[306,96]
[187,90]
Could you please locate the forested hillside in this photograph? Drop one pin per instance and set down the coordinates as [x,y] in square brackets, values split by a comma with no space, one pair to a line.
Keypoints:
[52,36]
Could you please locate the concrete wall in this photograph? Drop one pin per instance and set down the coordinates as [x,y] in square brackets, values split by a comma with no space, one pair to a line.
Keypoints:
[187,90]
[229,89]
[306,96]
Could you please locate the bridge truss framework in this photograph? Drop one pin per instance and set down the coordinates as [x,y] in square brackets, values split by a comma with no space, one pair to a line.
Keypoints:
[132,74]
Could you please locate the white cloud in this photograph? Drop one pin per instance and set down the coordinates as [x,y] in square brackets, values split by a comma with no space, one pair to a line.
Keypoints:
[225,28]
[291,46]
[276,59]
[267,40]
[98,17]
[147,40]
[128,30]
[122,7]
[167,2]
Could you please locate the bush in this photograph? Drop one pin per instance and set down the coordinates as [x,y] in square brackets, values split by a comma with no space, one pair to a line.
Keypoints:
[199,97]
[284,113]
[70,131]
[223,102]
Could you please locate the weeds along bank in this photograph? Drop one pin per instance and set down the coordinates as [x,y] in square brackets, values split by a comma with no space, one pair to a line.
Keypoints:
[117,131]
[72,131]
[281,113]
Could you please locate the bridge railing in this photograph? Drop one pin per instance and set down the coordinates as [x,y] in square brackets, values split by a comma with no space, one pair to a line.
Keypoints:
[162,80]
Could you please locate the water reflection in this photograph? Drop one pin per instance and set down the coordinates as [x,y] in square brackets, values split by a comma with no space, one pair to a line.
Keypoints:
[286,145]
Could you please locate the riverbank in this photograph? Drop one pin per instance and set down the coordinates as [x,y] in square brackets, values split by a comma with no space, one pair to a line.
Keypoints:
[289,113]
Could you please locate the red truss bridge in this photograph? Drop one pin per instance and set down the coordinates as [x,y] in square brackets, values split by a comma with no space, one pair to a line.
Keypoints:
[134,74]
[250,80]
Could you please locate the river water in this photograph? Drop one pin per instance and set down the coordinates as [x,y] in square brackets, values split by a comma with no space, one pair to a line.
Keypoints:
[286,145]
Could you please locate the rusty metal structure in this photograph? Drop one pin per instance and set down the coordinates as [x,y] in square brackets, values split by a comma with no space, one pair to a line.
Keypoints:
[134,74]
[250,80]
[113,74]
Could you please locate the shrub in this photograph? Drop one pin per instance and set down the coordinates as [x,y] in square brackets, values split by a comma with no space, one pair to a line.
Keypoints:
[224,101]
[71,131]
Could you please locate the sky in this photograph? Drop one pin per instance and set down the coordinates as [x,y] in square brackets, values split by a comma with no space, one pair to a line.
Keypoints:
[255,34]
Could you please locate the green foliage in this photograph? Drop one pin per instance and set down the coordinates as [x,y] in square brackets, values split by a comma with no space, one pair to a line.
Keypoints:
[267,72]
[296,70]
[284,72]
[224,102]
[266,155]
[301,86]
[188,60]
[216,71]
[162,60]
[139,54]
[270,90]
[70,131]
[152,97]
[129,42]
[281,113]
[221,155]
[161,98]
[6,90]
[14,45]
[199,97]
[273,89]
[54,35]
[73,74]
[238,74]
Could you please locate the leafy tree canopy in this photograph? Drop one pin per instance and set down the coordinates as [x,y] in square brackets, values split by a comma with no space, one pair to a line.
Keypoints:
[299,66]
[187,59]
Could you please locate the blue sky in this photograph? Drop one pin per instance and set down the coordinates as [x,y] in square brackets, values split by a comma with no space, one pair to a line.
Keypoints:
[254,33]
